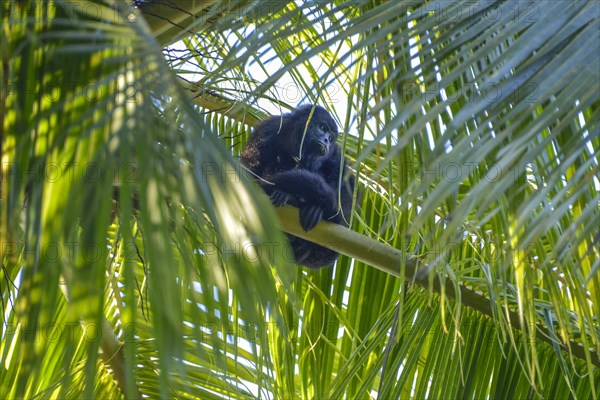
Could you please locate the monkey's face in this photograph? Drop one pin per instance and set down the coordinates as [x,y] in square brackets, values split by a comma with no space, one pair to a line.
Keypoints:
[321,134]
[322,139]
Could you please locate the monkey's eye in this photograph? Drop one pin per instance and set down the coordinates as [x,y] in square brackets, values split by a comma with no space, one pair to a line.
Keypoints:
[323,126]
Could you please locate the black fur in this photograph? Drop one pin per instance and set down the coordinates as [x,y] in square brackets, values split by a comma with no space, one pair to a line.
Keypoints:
[308,178]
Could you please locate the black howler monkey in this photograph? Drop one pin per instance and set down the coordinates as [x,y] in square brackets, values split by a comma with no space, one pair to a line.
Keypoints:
[297,155]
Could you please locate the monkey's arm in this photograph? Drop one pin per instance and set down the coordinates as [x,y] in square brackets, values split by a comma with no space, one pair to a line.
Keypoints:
[306,190]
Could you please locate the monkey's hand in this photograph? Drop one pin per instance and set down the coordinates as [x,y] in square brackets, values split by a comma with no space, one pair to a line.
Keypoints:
[280,198]
[310,215]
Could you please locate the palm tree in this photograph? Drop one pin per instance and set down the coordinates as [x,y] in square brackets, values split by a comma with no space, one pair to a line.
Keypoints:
[137,260]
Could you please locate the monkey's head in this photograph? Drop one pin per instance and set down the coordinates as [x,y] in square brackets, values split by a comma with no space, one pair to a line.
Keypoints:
[321,132]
